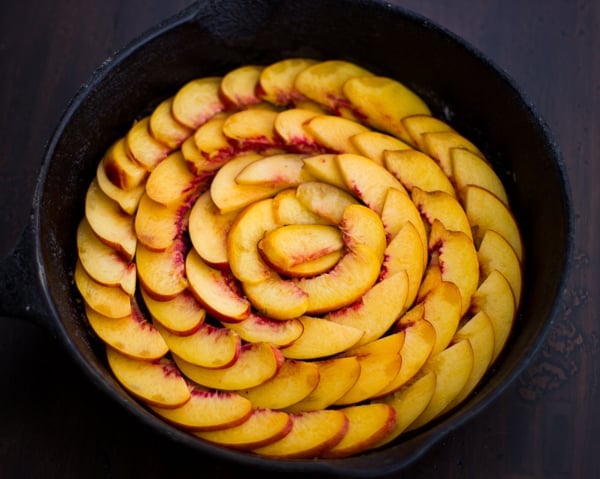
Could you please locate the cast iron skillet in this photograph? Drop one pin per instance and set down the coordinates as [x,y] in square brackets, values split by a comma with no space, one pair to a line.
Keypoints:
[212,37]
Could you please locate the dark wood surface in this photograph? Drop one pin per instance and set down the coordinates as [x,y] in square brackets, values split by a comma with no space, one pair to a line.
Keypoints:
[53,423]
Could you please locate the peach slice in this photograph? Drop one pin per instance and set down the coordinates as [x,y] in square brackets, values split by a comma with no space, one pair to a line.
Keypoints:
[442,308]
[419,341]
[207,410]
[404,253]
[131,335]
[247,230]
[103,263]
[321,338]
[352,277]
[215,289]
[324,82]
[293,382]
[452,368]
[324,168]
[469,168]
[287,247]
[362,226]
[208,346]
[197,101]
[409,402]
[165,128]
[495,253]
[324,200]
[368,424]
[263,427]
[257,329]
[377,310]
[162,273]
[380,363]
[266,297]
[181,315]
[256,364]
[289,127]
[109,301]
[336,377]
[374,144]
[158,383]
[121,169]
[367,180]
[112,225]
[251,129]
[289,210]
[417,125]
[312,433]
[209,148]
[143,147]
[276,82]
[494,296]
[284,170]
[208,229]
[431,280]
[383,102]
[485,211]
[480,333]
[415,169]
[127,199]
[238,87]
[443,207]
[334,132]
[229,195]
[171,182]
[157,225]
[457,258]
[440,144]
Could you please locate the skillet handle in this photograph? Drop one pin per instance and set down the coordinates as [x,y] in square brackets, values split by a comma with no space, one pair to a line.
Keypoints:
[21,291]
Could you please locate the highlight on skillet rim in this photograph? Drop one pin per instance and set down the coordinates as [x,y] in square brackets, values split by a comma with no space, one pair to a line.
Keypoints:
[297,260]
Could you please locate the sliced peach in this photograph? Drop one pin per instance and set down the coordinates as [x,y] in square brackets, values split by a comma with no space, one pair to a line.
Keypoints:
[336,377]
[127,199]
[266,297]
[157,225]
[383,102]
[256,329]
[256,364]
[181,315]
[289,127]
[215,289]
[171,182]
[109,301]
[485,211]
[208,346]
[209,148]
[415,169]
[207,410]
[443,207]
[377,310]
[362,226]
[374,144]
[440,144]
[276,83]
[452,368]
[334,133]
[238,87]
[121,169]
[368,424]
[143,147]
[252,128]
[157,383]
[197,101]
[442,308]
[324,168]
[162,273]
[262,427]
[208,229]
[417,125]
[131,335]
[431,279]
[469,168]
[321,338]
[324,200]
[289,210]
[103,263]
[165,128]
[293,382]
[284,170]
[312,433]
[112,225]
[367,180]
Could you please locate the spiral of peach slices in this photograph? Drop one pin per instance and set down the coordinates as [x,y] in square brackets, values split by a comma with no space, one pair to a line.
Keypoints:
[298,260]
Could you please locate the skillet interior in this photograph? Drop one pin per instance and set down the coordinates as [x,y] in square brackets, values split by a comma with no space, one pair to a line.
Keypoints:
[211,38]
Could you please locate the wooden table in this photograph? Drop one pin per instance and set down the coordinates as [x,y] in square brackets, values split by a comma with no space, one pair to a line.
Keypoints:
[53,423]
